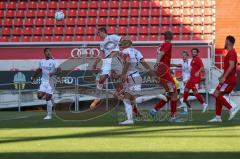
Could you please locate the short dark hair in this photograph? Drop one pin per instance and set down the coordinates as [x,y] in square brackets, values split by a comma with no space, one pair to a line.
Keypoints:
[185,52]
[168,35]
[102,29]
[45,49]
[195,49]
[231,39]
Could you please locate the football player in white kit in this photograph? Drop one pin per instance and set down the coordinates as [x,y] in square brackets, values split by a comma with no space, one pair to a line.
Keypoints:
[48,67]
[110,48]
[132,80]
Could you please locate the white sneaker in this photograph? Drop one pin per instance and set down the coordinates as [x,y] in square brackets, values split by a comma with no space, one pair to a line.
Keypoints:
[205,106]
[233,112]
[126,122]
[48,117]
[215,120]
[163,97]
[183,105]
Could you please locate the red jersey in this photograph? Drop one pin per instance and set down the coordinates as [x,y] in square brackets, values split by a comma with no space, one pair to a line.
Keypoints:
[166,47]
[231,56]
[196,64]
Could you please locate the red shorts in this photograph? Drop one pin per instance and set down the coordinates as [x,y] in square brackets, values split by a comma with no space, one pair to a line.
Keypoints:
[192,83]
[168,82]
[225,88]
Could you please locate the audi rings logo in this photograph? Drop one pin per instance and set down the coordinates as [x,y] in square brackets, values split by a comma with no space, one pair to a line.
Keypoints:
[85,52]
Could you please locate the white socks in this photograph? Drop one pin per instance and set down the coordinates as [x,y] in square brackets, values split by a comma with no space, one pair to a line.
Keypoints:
[49,108]
[128,108]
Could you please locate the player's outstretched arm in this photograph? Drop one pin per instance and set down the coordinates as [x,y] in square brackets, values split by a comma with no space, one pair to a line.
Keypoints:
[148,68]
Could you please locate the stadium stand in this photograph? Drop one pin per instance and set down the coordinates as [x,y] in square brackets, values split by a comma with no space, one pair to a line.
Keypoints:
[140,19]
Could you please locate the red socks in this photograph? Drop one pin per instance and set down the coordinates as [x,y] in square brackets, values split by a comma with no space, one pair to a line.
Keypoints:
[159,105]
[199,98]
[173,104]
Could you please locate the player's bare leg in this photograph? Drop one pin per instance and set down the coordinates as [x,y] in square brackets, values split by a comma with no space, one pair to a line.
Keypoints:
[49,106]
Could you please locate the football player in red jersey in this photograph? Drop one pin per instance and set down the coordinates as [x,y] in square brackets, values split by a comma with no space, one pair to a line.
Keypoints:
[195,78]
[227,81]
[162,69]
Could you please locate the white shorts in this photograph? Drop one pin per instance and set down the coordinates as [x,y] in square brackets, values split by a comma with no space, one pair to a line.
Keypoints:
[134,84]
[46,87]
[111,64]
[106,66]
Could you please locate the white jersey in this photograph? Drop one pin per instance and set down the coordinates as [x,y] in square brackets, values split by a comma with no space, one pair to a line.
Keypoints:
[47,66]
[186,67]
[111,40]
[135,58]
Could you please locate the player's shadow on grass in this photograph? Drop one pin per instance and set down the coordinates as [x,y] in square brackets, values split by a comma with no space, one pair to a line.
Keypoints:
[121,155]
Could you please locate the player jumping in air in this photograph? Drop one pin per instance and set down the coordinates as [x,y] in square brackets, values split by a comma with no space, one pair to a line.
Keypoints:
[164,60]
[132,80]
[195,78]
[110,48]
[227,81]
[48,68]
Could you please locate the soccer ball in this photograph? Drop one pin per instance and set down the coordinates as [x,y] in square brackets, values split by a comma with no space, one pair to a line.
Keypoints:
[59,15]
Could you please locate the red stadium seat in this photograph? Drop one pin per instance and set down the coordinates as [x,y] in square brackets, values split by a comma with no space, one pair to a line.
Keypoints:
[52,5]
[165,20]
[73,5]
[176,21]
[187,3]
[143,38]
[146,3]
[166,4]
[41,13]
[83,4]
[186,37]
[37,31]
[208,29]
[20,14]
[60,23]
[197,20]
[68,38]
[91,21]
[208,20]
[51,13]
[79,38]
[208,37]
[154,30]
[42,5]
[187,20]
[18,22]
[208,3]
[124,3]
[113,13]
[156,4]
[90,31]
[132,30]
[133,37]
[103,13]
[32,5]
[46,38]
[80,31]
[133,21]
[17,31]
[82,12]
[154,20]
[26,39]
[69,31]
[197,3]
[144,21]
[134,4]
[186,29]
[134,12]
[112,21]
[176,12]
[39,22]
[114,4]
[122,30]
[112,30]
[1,13]
[72,13]
[123,21]
[92,13]
[104,4]
[176,37]
[208,11]
[124,13]
[81,22]
[153,37]
[89,38]
[56,38]
[9,13]
[11,5]
[176,4]
[187,12]
[58,30]
[15,39]
[48,30]
[27,31]
[197,37]
[155,12]
[49,22]
[6,31]
[22,5]
[93,5]
[2,5]
[166,12]
[71,22]
[4,39]
[102,21]
[30,13]
[143,30]
[197,29]
[145,12]
[28,22]
[7,22]
[163,29]
[176,29]
[197,11]
[63,5]
[36,39]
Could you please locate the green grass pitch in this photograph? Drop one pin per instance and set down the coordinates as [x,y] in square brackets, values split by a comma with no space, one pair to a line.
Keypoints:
[25,135]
